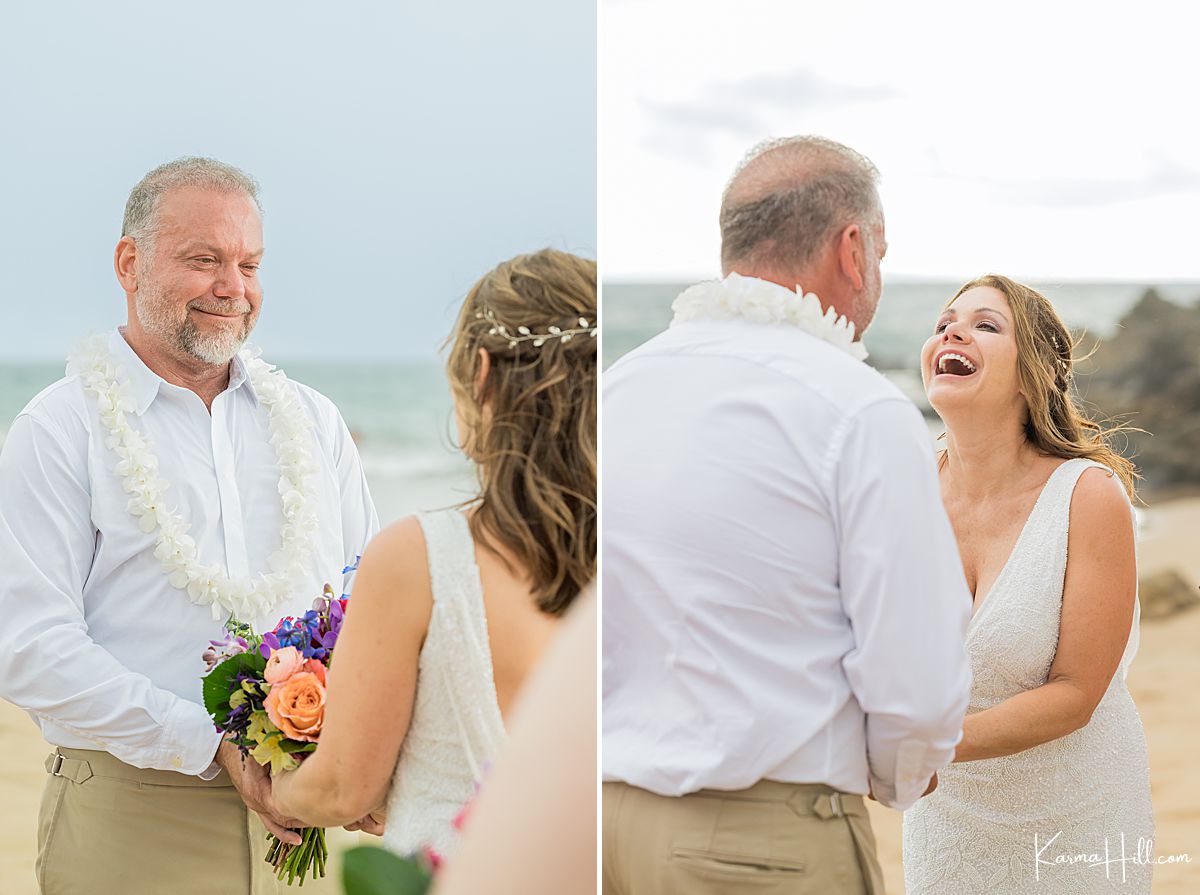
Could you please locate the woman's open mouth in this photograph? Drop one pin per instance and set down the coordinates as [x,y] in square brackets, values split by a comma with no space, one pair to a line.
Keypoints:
[951,363]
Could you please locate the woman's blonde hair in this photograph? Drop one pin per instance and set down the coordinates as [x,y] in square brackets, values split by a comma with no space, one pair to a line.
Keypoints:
[531,427]
[1057,423]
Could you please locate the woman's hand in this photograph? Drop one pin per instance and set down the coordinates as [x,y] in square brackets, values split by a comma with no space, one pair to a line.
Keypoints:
[373,823]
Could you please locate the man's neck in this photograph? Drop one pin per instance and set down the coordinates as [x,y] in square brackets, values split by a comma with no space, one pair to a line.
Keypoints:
[206,380]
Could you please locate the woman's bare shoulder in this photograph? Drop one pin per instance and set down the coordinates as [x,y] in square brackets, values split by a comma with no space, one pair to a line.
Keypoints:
[395,561]
[1100,507]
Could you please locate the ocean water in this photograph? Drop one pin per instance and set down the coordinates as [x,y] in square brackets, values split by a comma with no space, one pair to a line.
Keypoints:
[401,416]
[633,312]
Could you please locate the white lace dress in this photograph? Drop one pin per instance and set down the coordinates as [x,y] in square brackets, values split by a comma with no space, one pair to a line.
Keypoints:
[456,728]
[1086,796]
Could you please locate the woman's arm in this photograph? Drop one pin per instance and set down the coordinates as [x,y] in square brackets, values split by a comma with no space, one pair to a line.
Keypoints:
[372,685]
[1097,611]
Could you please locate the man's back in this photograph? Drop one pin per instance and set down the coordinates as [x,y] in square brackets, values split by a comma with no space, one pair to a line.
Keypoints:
[739,458]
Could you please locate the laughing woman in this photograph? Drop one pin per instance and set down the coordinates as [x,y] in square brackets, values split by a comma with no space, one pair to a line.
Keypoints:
[1053,757]
[453,609]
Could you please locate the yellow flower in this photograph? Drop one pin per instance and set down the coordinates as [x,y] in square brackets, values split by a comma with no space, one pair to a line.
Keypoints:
[269,750]
[260,727]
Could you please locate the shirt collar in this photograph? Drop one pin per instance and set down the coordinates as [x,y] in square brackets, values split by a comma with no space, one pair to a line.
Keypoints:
[144,383]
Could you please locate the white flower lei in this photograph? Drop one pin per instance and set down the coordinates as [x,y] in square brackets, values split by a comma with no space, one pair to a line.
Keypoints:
[210,585]
[759,301]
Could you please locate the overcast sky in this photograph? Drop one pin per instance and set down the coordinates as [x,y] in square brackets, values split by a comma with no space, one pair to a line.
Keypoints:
[1040,139]
[403,150]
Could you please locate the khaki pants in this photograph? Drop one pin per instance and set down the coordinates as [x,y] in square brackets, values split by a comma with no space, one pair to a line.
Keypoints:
[106,827]
[781,838]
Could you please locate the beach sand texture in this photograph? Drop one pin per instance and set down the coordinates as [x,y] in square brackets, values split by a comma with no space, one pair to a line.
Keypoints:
[1164,681]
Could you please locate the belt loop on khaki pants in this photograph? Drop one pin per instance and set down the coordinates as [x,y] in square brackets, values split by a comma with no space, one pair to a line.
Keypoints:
[828,805]
[59,765]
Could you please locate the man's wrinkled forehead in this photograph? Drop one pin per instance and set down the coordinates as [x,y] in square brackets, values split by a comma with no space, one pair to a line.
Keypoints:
[211,218]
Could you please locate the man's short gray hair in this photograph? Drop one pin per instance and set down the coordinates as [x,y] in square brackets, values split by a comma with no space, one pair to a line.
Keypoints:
[789,197]
[141,210]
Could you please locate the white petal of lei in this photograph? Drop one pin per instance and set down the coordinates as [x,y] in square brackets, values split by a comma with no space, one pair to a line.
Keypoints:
[137,466]
[759,301]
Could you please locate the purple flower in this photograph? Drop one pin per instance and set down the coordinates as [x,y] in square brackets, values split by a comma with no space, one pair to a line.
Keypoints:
[269,642]
[220,650]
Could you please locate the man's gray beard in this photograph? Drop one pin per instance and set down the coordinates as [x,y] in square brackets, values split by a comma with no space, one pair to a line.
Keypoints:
[157,319]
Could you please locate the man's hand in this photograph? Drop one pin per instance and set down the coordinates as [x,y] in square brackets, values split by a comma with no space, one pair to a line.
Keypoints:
[373,823]
[253,784]
[932,785]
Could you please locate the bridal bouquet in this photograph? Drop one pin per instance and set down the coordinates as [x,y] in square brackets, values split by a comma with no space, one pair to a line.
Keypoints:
[267,694]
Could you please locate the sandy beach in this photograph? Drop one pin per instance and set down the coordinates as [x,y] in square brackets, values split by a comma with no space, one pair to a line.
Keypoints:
[1164,681]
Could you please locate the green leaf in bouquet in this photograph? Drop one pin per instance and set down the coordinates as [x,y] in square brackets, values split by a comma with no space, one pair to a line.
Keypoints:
[294,746]
[218,683]
[368,870]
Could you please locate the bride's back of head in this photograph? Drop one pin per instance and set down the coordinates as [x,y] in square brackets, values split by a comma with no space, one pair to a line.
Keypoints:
[531,426]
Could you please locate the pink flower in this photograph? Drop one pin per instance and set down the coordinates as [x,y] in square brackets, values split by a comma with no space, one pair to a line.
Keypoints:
[282,664]
[434,859]
[297,706]
[317,667]
[460,819]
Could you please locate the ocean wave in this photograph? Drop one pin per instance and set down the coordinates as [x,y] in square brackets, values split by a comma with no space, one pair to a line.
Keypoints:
[398,464]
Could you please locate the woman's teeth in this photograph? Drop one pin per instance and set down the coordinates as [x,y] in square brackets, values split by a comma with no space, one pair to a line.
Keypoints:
[955,364]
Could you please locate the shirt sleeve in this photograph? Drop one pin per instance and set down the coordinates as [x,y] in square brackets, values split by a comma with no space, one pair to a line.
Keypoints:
[906,598]
[360,522]
[49,665]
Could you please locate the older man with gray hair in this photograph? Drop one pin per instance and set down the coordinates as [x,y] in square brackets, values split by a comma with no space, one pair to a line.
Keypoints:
[169,482]
[784,607]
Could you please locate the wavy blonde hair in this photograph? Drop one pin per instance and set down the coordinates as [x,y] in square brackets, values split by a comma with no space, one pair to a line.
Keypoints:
[1057,424]
[532,428]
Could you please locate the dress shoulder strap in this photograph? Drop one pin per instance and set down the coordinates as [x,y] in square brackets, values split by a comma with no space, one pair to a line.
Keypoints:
[1045,537]
[1064,480]
[457,648]
[451,553]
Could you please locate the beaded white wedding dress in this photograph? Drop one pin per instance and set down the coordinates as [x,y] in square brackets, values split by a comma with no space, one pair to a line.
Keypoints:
[456,727]
[1069,817]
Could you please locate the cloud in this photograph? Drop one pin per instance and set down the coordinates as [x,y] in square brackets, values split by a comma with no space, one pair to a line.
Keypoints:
[745,108]
[1161,176]
[800,89]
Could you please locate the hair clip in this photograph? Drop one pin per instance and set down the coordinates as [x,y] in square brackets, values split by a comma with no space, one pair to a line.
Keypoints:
[524,334]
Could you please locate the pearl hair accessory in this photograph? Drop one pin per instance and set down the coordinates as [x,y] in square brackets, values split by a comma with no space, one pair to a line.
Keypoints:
[524,334]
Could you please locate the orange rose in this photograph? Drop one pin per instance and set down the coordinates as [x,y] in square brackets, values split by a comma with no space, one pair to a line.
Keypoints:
[297,706]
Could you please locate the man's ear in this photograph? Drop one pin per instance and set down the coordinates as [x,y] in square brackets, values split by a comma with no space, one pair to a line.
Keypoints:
[125,263]
[851,255]
[485,367]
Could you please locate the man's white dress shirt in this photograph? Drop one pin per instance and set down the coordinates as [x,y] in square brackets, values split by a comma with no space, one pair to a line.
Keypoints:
[783,597]
[95,644]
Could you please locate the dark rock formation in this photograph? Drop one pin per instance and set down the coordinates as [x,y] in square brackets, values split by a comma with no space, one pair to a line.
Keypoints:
[1149,374]
[1165,594]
